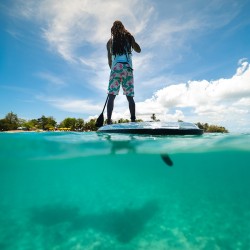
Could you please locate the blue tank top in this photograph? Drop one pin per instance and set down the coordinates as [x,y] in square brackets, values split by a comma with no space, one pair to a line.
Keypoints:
[125,58]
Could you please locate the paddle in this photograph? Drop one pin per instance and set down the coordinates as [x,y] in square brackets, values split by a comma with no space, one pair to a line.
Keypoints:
[100,119]
[167,160]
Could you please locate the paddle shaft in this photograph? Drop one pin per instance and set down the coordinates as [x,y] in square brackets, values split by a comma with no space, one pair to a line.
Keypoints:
[105,104]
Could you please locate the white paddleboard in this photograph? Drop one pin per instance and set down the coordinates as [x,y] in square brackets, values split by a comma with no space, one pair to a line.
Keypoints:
[153,128]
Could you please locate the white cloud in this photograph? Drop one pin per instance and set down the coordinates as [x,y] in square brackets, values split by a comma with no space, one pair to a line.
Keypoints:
[223,101]
[80,106]
[244,66]
[70,25]
[52,79]
[245,101]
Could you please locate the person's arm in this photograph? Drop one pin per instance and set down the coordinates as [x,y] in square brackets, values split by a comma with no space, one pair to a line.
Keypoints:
[135,45]
[109,54]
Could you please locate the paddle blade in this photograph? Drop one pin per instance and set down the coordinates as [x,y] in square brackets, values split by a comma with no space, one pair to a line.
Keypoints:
[99,121]
[167,160]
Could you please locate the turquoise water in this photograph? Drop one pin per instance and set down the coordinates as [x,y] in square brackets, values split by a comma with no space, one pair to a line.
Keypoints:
[74,191]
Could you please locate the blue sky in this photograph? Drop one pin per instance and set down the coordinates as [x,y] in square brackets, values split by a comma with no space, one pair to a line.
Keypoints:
[194,63]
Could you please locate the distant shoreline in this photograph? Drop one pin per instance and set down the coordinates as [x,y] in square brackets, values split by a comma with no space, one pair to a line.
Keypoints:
[21,131]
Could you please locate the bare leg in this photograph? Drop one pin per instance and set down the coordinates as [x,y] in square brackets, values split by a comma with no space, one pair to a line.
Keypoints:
[131,104]
[110,107]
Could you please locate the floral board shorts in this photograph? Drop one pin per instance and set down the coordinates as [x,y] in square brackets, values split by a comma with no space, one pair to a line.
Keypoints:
[121,74]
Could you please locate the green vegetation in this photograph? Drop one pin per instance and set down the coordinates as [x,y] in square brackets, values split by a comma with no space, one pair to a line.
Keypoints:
[73,124]
[211,128]
[12,122]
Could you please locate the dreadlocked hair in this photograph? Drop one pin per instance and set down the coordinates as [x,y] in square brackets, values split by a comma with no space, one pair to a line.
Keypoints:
[121,39]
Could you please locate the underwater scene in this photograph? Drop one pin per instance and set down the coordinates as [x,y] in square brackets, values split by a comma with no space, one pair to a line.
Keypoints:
[97,191]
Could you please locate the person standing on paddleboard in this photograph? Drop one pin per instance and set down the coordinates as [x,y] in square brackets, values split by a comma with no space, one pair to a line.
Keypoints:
[119,48]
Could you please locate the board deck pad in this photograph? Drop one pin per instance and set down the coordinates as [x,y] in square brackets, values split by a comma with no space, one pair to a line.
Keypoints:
[153,128]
